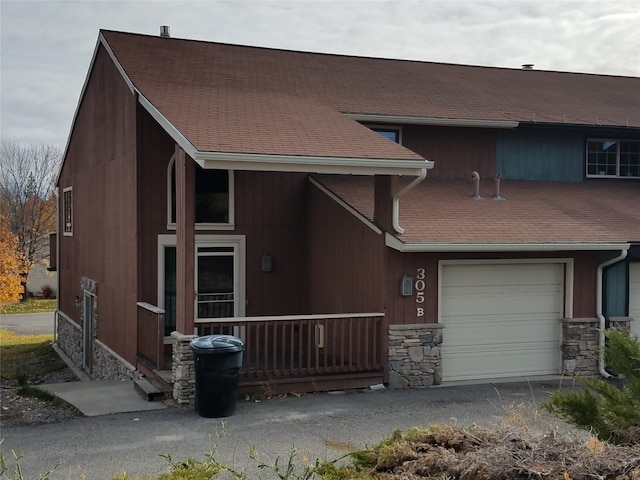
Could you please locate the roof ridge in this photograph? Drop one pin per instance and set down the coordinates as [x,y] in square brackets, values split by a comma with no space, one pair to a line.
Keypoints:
[363,57]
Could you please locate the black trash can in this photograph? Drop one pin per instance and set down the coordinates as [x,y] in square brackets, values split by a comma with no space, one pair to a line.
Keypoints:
[217,360]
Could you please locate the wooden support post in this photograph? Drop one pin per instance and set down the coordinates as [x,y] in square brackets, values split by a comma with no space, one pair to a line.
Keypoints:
[185,243]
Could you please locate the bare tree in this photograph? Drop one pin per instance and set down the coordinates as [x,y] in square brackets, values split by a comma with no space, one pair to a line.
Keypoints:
[27,181]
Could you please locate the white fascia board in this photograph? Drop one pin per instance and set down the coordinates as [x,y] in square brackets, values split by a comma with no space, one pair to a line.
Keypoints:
[401,246]
[443,122]
[168,127]
[310,164]
[346,206]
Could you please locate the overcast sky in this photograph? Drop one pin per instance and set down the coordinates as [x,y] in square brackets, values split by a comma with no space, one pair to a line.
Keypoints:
[46,46]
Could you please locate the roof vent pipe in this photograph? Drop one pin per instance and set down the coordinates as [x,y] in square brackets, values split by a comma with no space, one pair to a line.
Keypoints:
[475,178]
[496,190]
[164,31]
[527,66]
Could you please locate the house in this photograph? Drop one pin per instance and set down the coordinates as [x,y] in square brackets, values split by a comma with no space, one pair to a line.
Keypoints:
[353,220]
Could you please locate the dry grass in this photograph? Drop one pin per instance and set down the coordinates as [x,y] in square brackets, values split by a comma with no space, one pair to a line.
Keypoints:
[511,449]
[30,306]
[27,357]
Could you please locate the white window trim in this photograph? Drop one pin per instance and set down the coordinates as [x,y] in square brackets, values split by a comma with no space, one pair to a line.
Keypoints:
[238,242]
[617,141]
[203,226]
[64,213]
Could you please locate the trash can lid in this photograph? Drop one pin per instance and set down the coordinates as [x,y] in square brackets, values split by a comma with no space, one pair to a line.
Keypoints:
[213,344]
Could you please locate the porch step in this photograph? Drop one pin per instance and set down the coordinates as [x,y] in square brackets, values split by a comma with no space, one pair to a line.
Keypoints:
[150,389]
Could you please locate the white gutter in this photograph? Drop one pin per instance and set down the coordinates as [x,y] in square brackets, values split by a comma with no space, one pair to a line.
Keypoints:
[602,324]
[395,212]
[310,163]
[443,122]
[397,244]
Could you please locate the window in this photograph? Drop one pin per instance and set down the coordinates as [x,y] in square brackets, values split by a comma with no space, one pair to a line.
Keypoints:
[213,196]
[67,209]
[613,158]
[392,134]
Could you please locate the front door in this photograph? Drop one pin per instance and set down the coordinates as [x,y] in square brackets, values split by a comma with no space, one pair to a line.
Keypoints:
[219,277]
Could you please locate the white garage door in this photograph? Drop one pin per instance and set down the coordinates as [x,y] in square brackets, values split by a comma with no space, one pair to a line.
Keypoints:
[501,320]
[634,297]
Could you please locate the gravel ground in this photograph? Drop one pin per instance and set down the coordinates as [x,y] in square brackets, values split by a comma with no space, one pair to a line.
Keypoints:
[18,410]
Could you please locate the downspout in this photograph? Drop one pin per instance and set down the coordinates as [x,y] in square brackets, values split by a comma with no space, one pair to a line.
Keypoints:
[599,314]
[56,191]
[395,213]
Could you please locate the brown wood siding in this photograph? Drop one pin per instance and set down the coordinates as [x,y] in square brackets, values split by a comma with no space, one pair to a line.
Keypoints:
[155,149]
[100,166]
[270,210]
[347,260]
[403,310]
[456,151]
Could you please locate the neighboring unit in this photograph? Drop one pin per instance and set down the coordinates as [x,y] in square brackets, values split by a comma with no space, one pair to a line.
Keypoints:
[353,220]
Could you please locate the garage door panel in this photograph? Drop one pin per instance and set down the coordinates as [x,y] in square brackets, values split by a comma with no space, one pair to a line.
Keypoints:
[483,364]
[504,332]
[501,320]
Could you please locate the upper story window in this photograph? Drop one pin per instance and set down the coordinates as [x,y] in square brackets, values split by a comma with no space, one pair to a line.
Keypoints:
[390,133]
[67,211]
[613,158]
[213,202]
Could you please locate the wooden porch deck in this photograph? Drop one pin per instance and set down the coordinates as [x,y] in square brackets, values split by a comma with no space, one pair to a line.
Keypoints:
[284,354]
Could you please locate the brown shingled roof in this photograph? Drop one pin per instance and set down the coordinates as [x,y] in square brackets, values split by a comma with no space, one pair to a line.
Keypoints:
[256,100]
[442,211]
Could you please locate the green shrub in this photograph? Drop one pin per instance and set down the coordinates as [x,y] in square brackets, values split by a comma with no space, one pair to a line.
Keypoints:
[612,414]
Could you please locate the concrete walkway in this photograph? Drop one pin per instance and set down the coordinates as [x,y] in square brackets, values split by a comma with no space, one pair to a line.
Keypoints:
[106,397]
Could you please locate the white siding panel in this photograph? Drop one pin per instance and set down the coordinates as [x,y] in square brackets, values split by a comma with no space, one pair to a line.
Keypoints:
[501,320]
[634,296]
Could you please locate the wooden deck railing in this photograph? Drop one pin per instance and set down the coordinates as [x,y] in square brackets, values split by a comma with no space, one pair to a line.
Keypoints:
[303,346]
[151,334]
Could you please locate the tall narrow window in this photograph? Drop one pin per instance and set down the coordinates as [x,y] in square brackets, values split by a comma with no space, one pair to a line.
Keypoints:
[213,198]
[67,209]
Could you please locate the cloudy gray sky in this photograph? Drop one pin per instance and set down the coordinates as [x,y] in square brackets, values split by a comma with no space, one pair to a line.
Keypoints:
[46,46]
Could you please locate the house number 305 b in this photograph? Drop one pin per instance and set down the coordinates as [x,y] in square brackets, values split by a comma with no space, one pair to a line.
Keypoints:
[420,285]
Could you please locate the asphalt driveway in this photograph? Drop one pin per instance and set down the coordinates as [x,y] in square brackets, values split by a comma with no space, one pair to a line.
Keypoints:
[315,425]
[28,323]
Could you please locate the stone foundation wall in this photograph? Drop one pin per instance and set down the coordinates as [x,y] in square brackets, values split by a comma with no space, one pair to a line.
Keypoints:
[621,323]
[414,355]
[69,338]
[580,345]
[183,370]
[106,364]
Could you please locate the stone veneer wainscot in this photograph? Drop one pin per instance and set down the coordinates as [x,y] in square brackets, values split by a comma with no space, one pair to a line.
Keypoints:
[414,355]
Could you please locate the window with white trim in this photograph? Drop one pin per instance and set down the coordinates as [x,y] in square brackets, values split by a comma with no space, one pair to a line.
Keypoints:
[67,211]
[214,196]
[613,158]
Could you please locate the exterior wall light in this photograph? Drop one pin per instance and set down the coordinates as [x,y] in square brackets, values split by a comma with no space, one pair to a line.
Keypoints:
[266,263]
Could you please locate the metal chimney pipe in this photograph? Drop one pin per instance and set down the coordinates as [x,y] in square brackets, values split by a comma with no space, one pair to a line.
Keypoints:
[475,177]
[164,31]
[496,191]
